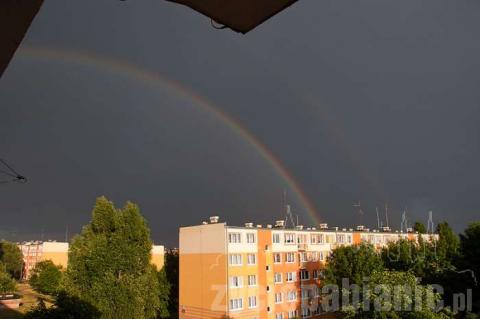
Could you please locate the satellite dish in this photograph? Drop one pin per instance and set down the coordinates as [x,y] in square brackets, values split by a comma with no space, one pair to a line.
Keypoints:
[238,15]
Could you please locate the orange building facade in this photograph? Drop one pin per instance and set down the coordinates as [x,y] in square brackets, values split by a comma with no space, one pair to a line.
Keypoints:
[260,273]
[37,251]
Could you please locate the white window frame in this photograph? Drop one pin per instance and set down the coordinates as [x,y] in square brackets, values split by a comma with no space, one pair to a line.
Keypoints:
[252,302]
[278,275]
[235,260]
[249,280]
[290,260]
[276,238]
[278,298]
[290,239]
[251,238]
[235,238]
[236,304]
[275,255]
[236,281]
[249,259]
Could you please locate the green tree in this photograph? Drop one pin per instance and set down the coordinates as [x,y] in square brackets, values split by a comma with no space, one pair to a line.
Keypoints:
[46,277]
[164,294]
[171,271]
[470,261]
[12,258]
[109,264]
[7,283]
[448,244]
[419,227]
[353,262]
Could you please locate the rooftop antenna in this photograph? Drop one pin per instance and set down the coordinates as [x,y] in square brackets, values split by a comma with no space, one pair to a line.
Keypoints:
[386,214]
[430,228]
[360,212]
[403,223]
[378,218]
[288,210]
[66,233]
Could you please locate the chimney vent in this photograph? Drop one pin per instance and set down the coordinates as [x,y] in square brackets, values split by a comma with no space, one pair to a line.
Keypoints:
[299,227]
[249,225]
[323,226]
[360,227]
[259,226]
[269,226]
[214,219]
[280,223]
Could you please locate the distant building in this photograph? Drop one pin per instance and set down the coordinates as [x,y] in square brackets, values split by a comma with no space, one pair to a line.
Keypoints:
[254,272]
[37,251]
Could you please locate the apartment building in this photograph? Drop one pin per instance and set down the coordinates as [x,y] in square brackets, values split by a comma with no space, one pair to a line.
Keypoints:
[257,272]
[37,251]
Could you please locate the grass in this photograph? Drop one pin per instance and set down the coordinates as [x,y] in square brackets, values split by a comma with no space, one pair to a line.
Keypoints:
[29,300]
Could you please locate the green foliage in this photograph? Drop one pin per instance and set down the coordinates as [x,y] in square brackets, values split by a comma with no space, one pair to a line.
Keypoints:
[448,244]
[7,283]
[12,258]
[46,277]
[470,260]
[109,264]
[352,262]
[419,227]
[394,294]
[171,271]
[164,294]
[65,307]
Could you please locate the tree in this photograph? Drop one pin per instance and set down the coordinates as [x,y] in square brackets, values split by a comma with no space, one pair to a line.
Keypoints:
[352,262]
[7,283]
[419,227]
[171,271]
[12,258]
[448,244]
[164,294]
[46,277]
[109,264]
[470,260]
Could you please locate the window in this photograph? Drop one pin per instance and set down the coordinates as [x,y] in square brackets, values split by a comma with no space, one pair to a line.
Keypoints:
[251,259]
[278,277]
[290,257]
[276,238]
[349,239]
[292,295]
[322,256]
[304,275]
[267,268]
[316,238]
[236,304]
[279,315]
[306,293]
[278,297]
[252,302]
[291,276]
[292,314]
[252,280]
[236,282]
[251,238]
[302,239]
[235,259]
[315,274]
[289,238]
[268,288]
[313,256]
[277,258]
[306,312]
[303,257]
[234,238]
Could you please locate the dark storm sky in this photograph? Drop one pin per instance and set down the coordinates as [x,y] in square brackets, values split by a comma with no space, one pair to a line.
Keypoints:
[371,100]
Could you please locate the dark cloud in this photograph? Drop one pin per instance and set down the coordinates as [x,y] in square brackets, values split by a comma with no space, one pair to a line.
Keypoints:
[361,100]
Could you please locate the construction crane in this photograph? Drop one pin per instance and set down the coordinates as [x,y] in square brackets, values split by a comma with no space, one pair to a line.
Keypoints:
[238,15]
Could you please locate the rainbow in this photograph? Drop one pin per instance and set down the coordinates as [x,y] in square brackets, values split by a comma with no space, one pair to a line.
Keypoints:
[155,79]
